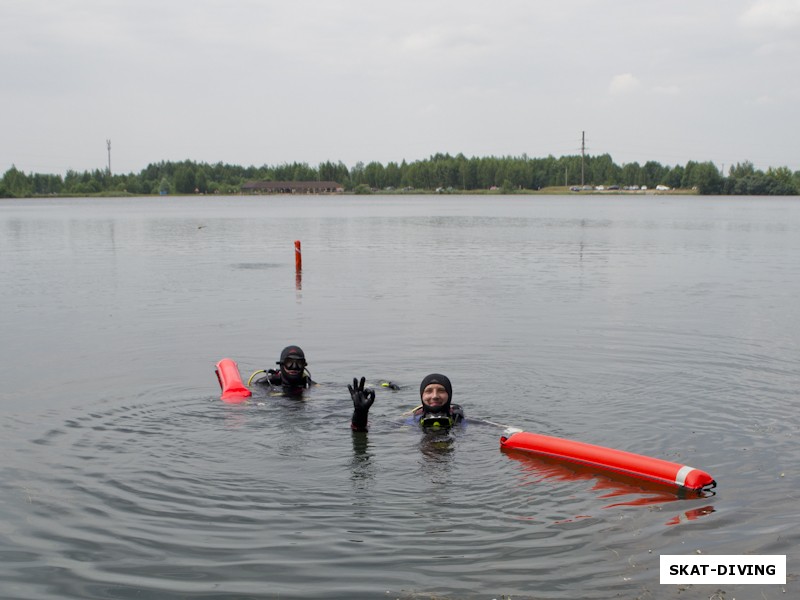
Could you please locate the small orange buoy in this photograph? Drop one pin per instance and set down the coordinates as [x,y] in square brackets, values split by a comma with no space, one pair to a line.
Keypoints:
[298,257]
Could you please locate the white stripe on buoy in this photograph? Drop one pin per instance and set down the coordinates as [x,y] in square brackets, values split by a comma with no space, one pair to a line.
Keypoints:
[680,476]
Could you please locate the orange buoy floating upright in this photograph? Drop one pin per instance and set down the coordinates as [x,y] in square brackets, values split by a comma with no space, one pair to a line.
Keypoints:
[298,257]
[619,461]
[233,390]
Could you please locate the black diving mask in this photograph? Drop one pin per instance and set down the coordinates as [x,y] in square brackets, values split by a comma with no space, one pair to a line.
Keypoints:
[293,365]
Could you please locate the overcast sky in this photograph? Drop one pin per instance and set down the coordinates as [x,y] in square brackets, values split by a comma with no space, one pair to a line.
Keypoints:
[255,82]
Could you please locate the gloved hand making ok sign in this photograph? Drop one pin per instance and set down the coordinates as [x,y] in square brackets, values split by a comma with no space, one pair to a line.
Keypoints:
[362,401]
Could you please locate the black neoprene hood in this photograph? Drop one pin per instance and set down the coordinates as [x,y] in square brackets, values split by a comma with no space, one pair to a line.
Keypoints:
[441,380]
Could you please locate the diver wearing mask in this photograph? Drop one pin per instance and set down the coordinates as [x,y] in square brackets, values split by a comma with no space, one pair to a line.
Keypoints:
[292,374]
[437,411]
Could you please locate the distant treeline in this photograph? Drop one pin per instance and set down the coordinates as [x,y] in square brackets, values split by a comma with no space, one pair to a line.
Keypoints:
[441,171]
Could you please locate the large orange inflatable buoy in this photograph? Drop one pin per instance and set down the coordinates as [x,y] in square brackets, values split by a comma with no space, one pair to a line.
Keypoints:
[619,461]
[233,390]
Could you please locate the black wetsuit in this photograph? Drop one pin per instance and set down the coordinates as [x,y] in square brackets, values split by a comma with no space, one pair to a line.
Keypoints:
[274,378]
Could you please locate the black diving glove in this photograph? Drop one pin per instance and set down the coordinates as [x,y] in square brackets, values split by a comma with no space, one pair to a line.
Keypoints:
[362,401]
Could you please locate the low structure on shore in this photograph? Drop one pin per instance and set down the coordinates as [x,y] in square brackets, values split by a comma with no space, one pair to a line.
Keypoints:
[292,187]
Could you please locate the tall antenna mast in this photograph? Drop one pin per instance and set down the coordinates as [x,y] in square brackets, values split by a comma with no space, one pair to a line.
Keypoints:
[583,153]
[108,144]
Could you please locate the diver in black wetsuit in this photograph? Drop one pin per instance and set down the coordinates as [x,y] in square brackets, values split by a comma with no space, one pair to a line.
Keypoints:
[436,412]
[292,374]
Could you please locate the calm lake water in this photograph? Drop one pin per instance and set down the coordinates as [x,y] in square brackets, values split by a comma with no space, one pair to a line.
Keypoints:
[667,326]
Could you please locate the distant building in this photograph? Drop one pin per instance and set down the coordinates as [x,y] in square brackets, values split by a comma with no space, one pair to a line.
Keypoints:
[292,187]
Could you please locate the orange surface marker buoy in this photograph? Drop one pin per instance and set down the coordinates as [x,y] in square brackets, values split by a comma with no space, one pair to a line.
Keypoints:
[610,460]
[233,390]
[298,257]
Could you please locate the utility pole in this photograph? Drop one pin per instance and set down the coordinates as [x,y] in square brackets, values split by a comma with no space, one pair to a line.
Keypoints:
[108,144]
[583,153]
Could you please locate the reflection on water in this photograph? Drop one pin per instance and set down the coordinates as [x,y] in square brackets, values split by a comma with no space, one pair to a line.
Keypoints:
[437,446]
[661,326]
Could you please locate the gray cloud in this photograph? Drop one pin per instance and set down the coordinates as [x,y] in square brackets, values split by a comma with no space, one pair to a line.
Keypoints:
[263,82]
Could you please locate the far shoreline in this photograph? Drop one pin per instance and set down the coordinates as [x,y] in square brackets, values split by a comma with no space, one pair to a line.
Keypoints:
[549,191]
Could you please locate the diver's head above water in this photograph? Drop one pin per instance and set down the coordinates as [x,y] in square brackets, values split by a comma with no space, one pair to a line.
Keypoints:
[293,364]
[436,392]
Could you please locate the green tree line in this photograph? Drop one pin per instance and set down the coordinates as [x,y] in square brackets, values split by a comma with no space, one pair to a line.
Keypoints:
[440,171]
